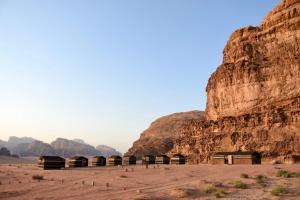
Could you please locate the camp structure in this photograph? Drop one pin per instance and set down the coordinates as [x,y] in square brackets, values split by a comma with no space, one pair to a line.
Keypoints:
[237,157]
[162,159]
[178,159]
[98,161]
[114,160]
[51,162]
[148,159]
[129,160]
[78,161]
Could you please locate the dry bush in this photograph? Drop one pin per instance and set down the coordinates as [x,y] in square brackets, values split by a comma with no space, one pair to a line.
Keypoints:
[123,176]
[278,190]
[283,173]
[183,192]
[261,180]
[244,175]
[240,184]
[37,177]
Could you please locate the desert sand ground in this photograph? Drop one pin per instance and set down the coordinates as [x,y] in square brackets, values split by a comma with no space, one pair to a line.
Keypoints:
[137,182]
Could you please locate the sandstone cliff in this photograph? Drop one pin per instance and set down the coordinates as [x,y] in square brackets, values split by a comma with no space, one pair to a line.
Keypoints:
[253,98]
[161,135]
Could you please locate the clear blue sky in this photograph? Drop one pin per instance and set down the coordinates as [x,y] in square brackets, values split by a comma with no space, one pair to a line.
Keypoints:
[102,71]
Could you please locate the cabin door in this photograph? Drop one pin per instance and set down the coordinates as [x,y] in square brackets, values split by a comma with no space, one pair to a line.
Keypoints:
[230,159]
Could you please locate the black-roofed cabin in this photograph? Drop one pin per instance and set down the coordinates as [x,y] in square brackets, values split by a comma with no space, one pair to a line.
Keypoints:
[148,159]
[178,159]
[51,162]
[78,161]
[115,160]
[162,159]
[98,161]
[236,158]
[129,160]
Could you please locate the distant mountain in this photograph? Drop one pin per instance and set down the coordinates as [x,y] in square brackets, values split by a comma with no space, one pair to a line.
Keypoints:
[38,148]
[27,146]
[79,141]
[66,148]
[20,148]
[14,141]
[3,143]
[107,151]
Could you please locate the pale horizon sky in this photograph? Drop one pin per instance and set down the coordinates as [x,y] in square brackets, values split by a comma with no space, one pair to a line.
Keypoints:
[103,70]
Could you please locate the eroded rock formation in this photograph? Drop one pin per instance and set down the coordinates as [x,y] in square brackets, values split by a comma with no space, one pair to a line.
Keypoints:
[160,137]
[253,98]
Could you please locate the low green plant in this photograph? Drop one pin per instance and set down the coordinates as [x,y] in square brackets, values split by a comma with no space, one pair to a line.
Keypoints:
[244,175]
[283,173]
[240,184]
[278,190]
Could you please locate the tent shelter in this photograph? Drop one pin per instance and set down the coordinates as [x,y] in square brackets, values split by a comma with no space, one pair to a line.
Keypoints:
[129,160]
[162,159]
[78,161]
[51,162]
[98,161]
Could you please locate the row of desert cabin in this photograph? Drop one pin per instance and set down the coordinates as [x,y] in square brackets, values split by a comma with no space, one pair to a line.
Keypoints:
[56,162]
[237,157]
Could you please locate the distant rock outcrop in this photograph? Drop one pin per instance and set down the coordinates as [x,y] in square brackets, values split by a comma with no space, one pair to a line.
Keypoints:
[38,148]
[253,98]
[66,148]
[14,141]
[160,137]
[107,151]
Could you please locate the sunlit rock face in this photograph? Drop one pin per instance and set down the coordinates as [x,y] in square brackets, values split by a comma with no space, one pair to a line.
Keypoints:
[261,67]
[253,98]
[160,137]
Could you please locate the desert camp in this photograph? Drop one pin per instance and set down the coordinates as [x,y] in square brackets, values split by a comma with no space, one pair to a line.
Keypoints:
[78,161]
[129,160]
[97,161]
[236,158]
[114,160]
[51,162]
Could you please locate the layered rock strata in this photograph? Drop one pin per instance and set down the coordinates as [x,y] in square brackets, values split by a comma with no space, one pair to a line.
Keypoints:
[253,98]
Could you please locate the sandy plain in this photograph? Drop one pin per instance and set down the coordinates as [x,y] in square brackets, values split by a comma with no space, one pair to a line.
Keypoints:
[137,182]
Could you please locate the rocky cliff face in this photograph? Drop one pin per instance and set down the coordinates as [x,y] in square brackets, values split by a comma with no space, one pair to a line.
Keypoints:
[253,98]
[160,137]
[261,66]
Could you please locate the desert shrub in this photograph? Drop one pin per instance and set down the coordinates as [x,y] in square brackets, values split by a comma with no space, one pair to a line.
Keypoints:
[261,180]
[283,173]
[183,192]
[219,193]
[244,175]
[295,174]
[210,189]
[123,176]
[37,177]
[278,190]
[240,184]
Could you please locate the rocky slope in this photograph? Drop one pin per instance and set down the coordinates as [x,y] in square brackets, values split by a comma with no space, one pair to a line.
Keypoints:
[253,98]
[68,148]
[159,138]
[107,151]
